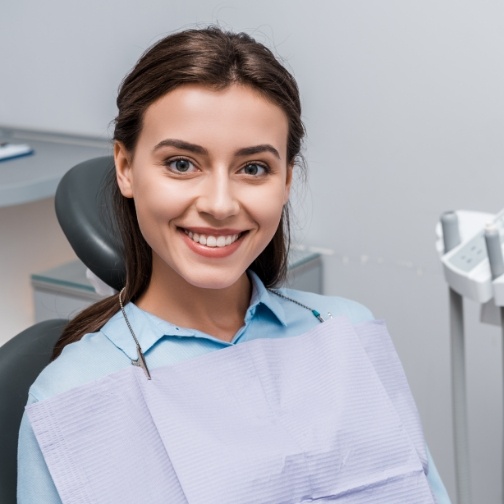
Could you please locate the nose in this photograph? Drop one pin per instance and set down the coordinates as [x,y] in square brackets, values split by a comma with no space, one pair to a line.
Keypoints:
[218,197]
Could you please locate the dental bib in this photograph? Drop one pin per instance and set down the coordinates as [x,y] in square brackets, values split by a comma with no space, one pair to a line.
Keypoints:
[326,416]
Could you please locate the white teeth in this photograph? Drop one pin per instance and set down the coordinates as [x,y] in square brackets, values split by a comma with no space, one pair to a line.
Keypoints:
[211,240]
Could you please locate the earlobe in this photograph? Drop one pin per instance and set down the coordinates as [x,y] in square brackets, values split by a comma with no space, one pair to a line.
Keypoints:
[122,160]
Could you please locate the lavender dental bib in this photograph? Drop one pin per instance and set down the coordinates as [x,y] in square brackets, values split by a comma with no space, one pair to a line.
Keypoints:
[326,416]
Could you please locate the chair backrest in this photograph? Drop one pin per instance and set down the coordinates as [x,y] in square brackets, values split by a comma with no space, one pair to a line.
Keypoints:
[83,209]
[21,360]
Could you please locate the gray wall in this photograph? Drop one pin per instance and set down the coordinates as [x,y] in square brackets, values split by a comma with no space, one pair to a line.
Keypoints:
[404,107]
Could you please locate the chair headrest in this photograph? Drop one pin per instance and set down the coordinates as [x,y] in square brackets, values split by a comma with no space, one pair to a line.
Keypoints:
[83,207]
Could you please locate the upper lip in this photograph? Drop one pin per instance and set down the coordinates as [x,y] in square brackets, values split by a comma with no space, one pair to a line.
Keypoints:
[213,231]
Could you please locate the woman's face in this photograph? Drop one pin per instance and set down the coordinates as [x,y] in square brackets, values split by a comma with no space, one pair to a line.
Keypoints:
[209,177]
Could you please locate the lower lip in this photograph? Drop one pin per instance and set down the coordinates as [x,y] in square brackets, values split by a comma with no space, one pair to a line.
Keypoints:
[212,252]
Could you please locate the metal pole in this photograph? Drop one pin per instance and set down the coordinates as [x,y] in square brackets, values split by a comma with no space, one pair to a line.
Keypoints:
[451,238]
[502,340]
[459,402]
[496,261]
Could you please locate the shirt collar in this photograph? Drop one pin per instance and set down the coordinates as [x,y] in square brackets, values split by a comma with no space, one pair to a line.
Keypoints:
[262,296]
[149,329]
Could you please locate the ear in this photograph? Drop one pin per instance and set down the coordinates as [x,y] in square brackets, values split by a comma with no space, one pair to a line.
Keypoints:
[288,182]
[124,176]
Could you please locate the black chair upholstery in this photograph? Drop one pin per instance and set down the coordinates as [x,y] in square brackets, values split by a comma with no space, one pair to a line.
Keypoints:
[21,360]
[82,207]
[83,211]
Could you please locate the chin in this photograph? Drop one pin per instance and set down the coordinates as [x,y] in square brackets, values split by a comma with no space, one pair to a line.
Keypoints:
[214,280]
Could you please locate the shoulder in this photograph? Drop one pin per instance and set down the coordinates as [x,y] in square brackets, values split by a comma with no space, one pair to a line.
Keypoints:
[336,306]
[86,360]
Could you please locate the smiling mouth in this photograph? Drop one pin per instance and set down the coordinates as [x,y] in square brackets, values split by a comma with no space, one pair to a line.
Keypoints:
[213,241]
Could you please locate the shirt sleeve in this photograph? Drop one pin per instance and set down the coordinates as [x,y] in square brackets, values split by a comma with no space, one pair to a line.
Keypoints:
[435,483]
[35,484]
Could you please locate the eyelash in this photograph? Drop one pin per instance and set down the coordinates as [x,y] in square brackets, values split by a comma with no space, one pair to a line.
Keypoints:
[169,162]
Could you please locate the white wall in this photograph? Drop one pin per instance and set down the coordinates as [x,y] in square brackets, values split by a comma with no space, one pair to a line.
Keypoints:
[31,241]
[404,109]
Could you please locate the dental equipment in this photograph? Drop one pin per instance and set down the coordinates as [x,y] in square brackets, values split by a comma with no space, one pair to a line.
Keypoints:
[471,248]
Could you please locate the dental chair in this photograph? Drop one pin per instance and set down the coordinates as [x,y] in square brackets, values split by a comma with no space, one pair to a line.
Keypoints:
[21,360]
[82,211]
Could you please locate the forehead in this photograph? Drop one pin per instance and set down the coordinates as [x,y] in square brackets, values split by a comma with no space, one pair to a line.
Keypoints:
[234,117]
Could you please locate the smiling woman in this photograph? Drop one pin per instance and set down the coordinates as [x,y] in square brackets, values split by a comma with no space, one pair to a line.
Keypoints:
[298,405]
[209,177]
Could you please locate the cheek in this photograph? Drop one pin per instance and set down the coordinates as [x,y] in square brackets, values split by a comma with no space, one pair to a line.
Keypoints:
[266,209]
[157,205]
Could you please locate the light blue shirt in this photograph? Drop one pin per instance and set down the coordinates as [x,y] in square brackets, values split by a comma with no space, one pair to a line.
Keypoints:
[112,348]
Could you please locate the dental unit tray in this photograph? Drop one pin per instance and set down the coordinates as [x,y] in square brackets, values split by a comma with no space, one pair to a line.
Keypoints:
[466,266]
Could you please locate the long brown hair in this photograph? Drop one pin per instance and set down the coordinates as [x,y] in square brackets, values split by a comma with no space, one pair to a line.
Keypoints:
[214,58]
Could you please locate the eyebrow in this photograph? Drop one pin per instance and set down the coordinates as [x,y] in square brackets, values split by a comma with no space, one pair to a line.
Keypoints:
[198,149]
[257,149]
[180,144]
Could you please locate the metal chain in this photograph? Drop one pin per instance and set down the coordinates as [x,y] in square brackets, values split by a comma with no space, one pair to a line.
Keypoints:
[140,356]
[316,314]
[126,318]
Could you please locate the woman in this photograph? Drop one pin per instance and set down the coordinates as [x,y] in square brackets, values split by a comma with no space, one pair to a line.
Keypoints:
[296,407]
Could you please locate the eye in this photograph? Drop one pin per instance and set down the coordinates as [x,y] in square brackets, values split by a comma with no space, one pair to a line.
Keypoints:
[255,169]
[180,165]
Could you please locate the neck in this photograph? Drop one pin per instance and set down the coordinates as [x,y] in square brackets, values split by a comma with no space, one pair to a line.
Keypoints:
[217,312]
